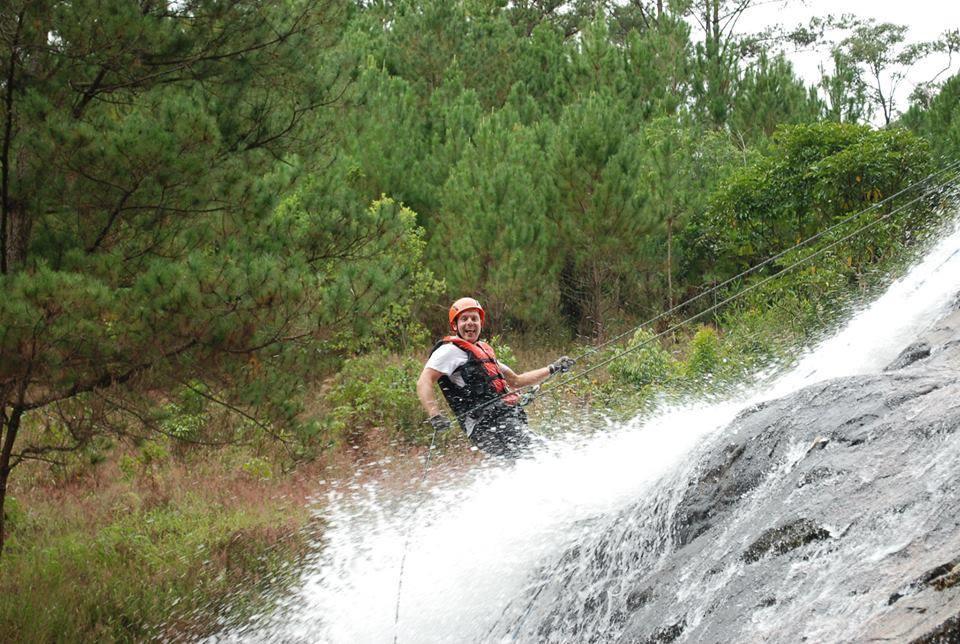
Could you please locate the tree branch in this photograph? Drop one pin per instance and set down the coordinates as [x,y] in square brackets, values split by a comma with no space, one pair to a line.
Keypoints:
[111,220]
[89,93]
[236,410]
[106,380]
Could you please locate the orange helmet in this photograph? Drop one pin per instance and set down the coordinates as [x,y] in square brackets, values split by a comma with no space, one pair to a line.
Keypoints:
[461,305]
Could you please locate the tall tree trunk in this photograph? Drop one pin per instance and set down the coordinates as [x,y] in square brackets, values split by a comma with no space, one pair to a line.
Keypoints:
[18,227]
[8,432]
[669,263]
[596,306]
[5,148]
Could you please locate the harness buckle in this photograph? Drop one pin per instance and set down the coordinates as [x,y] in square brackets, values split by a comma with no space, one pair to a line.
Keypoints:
[528,397]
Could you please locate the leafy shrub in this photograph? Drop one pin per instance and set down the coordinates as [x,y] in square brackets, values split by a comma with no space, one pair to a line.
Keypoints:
[705,359]
[647,364]
[504,353]
[178,421]
[128,466]
[257,468]
[812,176]
[152,452]
[13,513]
[377,390]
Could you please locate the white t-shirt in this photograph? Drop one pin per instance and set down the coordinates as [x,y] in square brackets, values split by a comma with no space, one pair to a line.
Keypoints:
[447,359]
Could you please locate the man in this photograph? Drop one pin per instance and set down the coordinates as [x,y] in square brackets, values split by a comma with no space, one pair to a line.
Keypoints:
[477,386]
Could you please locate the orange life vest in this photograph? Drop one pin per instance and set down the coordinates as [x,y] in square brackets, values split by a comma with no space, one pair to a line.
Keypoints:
[483,381]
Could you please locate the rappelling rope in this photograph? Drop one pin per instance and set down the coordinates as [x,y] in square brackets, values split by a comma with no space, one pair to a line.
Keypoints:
[805,242]
[531,393]
[770,260]
[406,540]
[751,287]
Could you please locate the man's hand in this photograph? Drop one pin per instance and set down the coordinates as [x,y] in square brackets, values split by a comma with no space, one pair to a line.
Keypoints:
[563,365]
[440,423]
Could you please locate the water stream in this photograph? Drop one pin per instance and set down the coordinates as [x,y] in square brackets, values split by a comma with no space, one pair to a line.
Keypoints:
[493,550]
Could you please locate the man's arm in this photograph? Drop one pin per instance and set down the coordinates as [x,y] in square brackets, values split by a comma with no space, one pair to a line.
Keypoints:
[535,377]
[426,386]
[526,378]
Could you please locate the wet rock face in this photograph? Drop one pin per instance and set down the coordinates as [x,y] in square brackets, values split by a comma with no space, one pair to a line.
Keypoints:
[832,514]
[783,539]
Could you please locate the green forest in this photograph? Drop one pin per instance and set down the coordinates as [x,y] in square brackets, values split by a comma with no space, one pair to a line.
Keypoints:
[231,229]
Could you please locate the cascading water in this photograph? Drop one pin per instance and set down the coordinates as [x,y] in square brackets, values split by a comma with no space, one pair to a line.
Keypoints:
[563,546]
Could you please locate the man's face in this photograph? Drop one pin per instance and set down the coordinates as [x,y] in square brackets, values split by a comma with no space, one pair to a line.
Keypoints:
[468,325]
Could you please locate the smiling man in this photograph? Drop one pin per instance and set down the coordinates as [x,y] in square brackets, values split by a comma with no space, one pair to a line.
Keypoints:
[477,386]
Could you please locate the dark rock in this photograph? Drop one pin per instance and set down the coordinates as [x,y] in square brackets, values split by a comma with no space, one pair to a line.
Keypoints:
[668,634]
[946,633]
[942,577]
[948,580]
[913,353]
[785,538]
[639,598]
[815,475]
[864,467]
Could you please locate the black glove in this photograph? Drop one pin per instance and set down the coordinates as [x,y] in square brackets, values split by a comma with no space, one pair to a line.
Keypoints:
[563,365]
[440,423]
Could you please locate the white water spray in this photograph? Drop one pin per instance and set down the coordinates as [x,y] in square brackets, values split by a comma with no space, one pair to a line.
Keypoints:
[474,543]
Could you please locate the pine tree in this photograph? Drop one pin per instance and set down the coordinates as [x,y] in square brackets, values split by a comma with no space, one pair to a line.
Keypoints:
[544,69]
[939,122]
[494,239]
[659,67]
[768,95]
[143,149]
[595,164]
[845,91]
[718,54]
[680,166]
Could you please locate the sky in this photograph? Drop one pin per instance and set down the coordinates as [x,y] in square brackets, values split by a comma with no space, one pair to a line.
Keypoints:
[926,19]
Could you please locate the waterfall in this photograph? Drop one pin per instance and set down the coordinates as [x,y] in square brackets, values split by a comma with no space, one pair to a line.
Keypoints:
[557,547]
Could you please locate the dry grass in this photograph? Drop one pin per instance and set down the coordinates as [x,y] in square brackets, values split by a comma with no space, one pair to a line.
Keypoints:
[116,550]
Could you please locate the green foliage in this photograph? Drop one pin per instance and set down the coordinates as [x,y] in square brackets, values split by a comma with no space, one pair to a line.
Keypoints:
[812,177]
[881,50]
[166,224]
[122,584]
[497,241]
[128,466]
[556,170]
[152,452]
[845,91]
[376,390]
[257,468]
[598,216]
[14,514]
[705,359]
[939,122]
[770,95]
[504,353]
[647,365]
[679,167]
[659,68]
[179,422]
[211,205]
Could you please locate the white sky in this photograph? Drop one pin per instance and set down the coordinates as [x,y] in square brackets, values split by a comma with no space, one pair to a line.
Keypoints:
[926,19]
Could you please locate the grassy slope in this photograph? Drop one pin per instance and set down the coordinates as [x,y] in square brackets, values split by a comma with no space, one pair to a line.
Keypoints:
[100,555]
